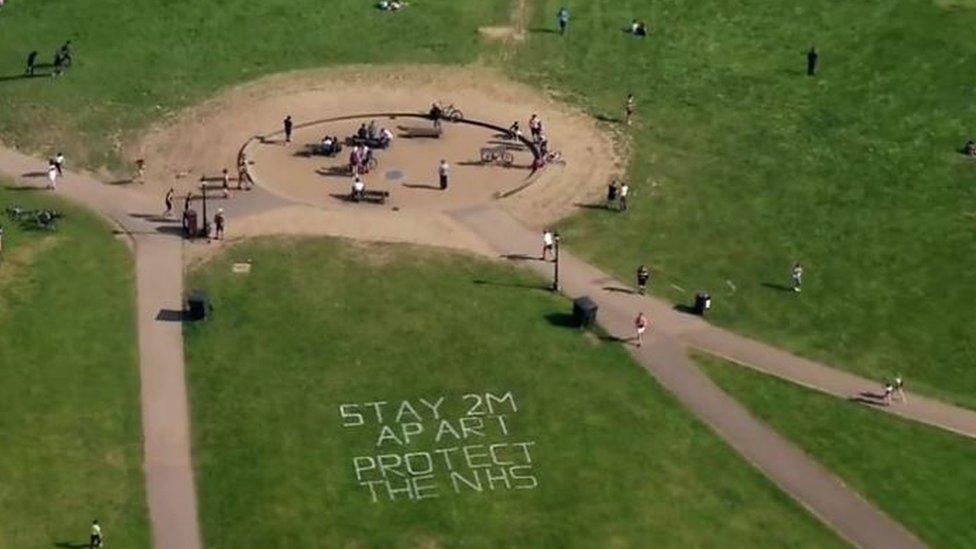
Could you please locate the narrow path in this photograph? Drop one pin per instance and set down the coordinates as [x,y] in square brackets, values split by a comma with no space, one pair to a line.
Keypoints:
[665,355]
[159,280]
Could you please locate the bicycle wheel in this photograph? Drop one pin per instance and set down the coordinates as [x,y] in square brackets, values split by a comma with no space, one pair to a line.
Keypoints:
[486,157]
[456,115]
[507,158]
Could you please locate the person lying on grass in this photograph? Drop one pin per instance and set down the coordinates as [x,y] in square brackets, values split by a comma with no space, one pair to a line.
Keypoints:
[638,28]
[970,148]
[391,5]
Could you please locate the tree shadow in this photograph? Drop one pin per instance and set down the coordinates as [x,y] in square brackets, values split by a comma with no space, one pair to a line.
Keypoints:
[776,286]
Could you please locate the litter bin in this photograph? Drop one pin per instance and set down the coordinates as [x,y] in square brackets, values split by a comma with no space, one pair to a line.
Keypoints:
[584,311]
[190,228]
[703,302]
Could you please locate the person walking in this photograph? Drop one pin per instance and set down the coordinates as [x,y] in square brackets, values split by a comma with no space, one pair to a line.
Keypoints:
[59,163]
[888,390]
[52,176]
[640,325]
[622,203]
[900,389]
[288,126]
[140,169]
[547,243]
[562,18]
[95,540]
[797,275]
[168,200]
[812,61]
[535,127]
[612,194]
[442,171]
[219,224]
[225,182]
[643,274]
[31,62]
[630,107]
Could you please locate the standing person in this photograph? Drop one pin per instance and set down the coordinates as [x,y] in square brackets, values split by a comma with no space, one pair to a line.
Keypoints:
[186,202]
[95,540]
[812,61]
[562,17]
[624,190]
[442,171]
[31,62]
[547,243]
[358,188]
[612,193]
[797,275]
[630,107]
[52,176]
[225,182]
[242,180]
[535,127]
[140,169]
[168,200]
[900,389]
[288,126]
[219,224]
[57,64]
[59,163]
[643,274]
[640,324]
[888,389]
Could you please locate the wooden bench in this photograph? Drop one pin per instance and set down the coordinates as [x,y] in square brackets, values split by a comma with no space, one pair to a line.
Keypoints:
[377,197]
[419,131]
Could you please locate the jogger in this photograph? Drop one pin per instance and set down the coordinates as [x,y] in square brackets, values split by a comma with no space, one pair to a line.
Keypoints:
[640,324]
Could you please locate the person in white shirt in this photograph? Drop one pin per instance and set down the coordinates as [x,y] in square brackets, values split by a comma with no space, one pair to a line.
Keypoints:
[96,535]
[52,176]
[797,276]
[386,137]
[547,243]
[622,203]
[59,163]
[358,188]
[442,171]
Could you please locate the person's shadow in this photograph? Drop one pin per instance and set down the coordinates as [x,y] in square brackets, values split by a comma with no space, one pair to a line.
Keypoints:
[776,286]
[71,545]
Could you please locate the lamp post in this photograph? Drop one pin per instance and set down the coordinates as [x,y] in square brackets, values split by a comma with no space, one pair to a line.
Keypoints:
[555,271]
[203,222]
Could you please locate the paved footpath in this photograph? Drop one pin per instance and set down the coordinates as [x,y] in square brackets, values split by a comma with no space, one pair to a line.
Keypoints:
[665,355]
[159,281]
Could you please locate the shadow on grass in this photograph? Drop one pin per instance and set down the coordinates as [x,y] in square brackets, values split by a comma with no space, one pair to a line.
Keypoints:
[23,76]
[71,545]
[543,30]
[608,118]
[517,285]
[562,320]
[775,286]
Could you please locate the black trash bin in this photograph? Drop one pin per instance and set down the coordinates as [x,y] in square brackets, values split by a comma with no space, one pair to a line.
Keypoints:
[584,311]
[703,302]
[197,305]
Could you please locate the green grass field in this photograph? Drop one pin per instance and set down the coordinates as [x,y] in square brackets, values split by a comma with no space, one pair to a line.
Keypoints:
[922,477]
[741,163]
[70,437]
[320,323]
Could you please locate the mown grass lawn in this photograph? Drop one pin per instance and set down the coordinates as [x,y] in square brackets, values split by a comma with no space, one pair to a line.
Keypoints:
[922,477]
[320,323]
[70,436]
[742,165]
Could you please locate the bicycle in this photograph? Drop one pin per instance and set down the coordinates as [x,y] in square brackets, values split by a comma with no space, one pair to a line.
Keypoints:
[497,155]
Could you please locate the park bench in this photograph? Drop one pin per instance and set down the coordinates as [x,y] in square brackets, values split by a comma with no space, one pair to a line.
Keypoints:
[377,197]
[371,142]
[419,131]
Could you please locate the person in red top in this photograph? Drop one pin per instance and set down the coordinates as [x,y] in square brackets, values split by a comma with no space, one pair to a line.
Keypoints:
[640,324]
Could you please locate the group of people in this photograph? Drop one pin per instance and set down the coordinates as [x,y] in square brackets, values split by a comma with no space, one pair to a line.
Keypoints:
[360,157]
[617,195]
[55,169]
[638,28]
[970,148]
[374,135]
[62,60]
[330,146]
[391,5]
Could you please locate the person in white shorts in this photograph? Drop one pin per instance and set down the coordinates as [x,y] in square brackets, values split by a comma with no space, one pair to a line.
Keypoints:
[52,176]
[96,535]
[640,324]
[547,243]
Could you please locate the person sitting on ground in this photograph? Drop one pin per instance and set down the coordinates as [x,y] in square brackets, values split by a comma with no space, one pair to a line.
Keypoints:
[386,137]
[633,26]
[390,5]
[362,132]
[514,132]
[970,148]
[358,188]
[327,144]
[641,29]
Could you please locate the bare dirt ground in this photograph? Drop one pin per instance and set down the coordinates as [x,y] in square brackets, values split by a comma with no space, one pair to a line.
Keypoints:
[206,138]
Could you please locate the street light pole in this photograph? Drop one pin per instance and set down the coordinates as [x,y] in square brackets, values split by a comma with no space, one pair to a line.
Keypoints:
[203,222]
[555,272]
